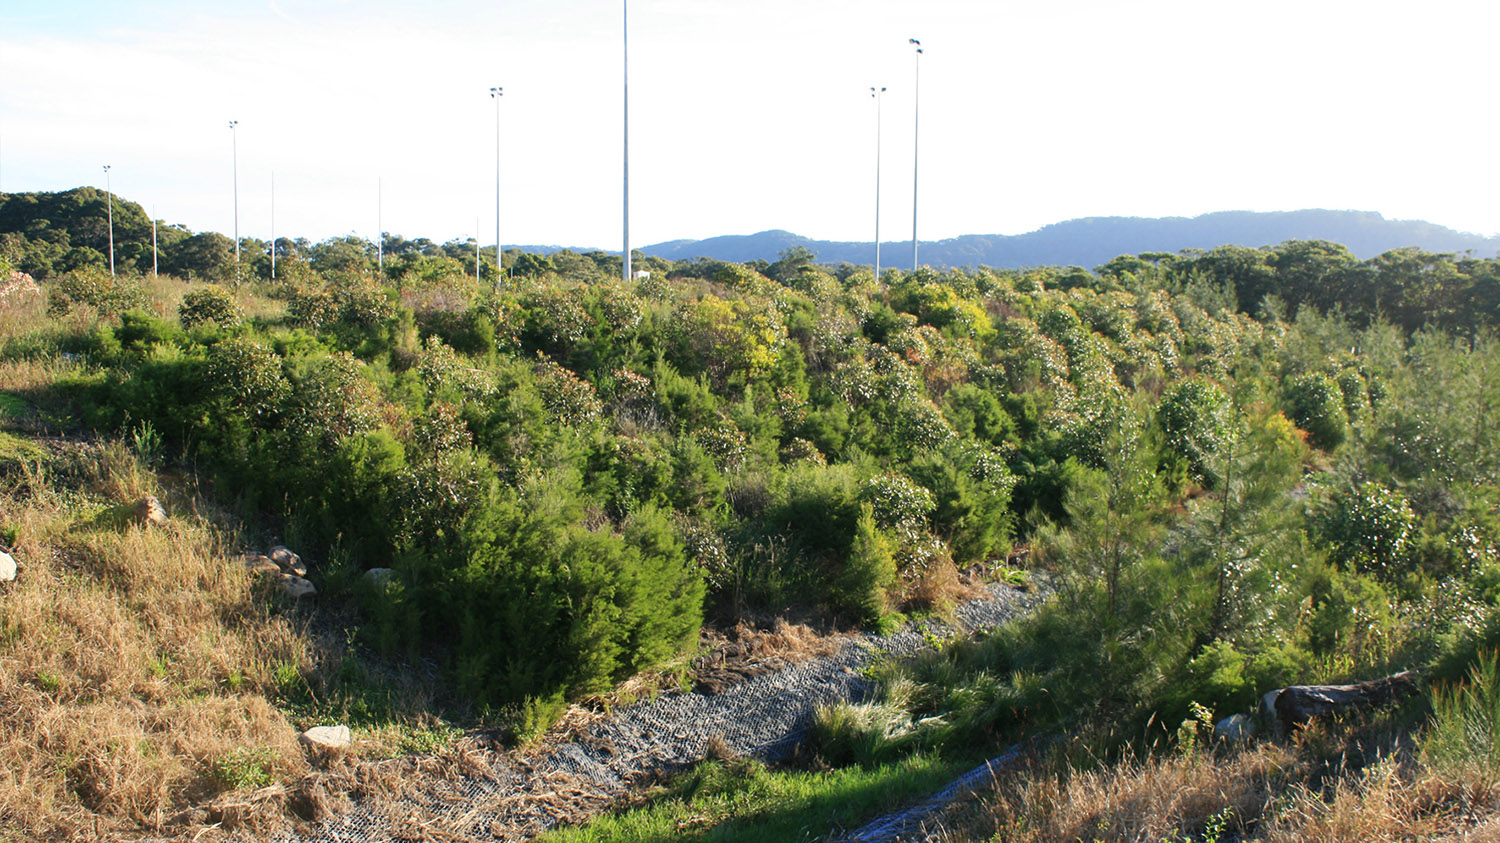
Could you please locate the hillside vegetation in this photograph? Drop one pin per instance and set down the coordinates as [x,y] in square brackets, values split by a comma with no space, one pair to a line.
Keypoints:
[1237,469]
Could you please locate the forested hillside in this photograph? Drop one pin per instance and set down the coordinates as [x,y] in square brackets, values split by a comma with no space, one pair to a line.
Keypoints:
[1237,468]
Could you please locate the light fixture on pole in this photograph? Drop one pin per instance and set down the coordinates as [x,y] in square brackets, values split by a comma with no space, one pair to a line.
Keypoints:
[495,94]
[915,135]
[625,224]
[235,146]
[110,200]
[878,95]
[273,225]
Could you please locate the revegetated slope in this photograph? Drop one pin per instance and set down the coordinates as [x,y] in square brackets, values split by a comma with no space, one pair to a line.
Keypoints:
[514,796]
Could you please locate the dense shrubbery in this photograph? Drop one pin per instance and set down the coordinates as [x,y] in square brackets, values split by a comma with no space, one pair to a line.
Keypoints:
[567,473]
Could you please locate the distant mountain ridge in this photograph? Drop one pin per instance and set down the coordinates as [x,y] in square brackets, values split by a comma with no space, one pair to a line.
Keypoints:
[1091,241]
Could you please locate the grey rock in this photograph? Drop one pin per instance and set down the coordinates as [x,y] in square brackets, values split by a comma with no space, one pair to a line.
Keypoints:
[326,738]
[149,512]
[289,561]
[260,565]
[1235,728]
[297,587]
[380,576]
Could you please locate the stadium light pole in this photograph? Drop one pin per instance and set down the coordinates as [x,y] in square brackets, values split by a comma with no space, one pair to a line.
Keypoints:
[109,197]
[273,225]
[235,147]
[495,94]
[878,95]
[915,136]
[625,273]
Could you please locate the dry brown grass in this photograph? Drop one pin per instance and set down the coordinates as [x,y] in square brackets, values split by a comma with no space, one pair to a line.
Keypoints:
[743,651]
[137,667]
[144,676]
[1269,792]
[20,311]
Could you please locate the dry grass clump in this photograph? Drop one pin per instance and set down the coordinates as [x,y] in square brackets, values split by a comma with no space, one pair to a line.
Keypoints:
[137,667]
[744,651]
[1269,792]
[1148,800]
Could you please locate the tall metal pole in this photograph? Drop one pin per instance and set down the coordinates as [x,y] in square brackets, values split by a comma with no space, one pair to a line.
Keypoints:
[273,225]
[878,101]
[625,273]
[495,94]
[915,135]
[235,141]
[109,196]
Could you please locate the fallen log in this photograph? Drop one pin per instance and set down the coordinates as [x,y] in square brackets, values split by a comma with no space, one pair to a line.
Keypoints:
[1292,707]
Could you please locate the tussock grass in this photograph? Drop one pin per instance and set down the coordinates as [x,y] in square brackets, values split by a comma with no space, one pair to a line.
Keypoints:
[150,686]
[1275,792]
[137,666]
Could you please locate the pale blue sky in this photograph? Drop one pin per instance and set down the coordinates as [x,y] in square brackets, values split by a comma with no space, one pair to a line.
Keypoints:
[750,115]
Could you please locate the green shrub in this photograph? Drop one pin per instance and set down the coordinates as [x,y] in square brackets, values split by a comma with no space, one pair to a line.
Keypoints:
[1317,406]
[209,305]
[1463,735]
[1193,418]
[900,504]
[547,607]
[140,332]
[1369,528]
[868,572]
[95,287]
[249,375]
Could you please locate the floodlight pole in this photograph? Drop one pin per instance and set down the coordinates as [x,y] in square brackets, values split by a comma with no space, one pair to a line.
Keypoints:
[625,273]
[235,146]
[877,94]
[273,225]
[495,94]
[109,197]
[915,136]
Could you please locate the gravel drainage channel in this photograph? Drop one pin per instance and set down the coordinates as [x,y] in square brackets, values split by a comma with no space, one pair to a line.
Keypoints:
[516,795]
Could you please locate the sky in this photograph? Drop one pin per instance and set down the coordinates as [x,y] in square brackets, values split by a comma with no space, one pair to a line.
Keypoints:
[745,116]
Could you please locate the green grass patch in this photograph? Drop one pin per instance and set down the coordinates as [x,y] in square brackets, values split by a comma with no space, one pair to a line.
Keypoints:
[14,449]
[743,800]
[12,405]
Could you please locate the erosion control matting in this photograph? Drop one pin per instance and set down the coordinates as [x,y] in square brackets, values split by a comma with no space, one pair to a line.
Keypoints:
[515,795]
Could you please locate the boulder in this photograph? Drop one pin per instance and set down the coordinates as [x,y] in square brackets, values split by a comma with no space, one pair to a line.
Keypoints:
[297,587]
[289,561]
[378,577]
[7,567]
[327,738]
[1235,728]
[257,564]
[149,512]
